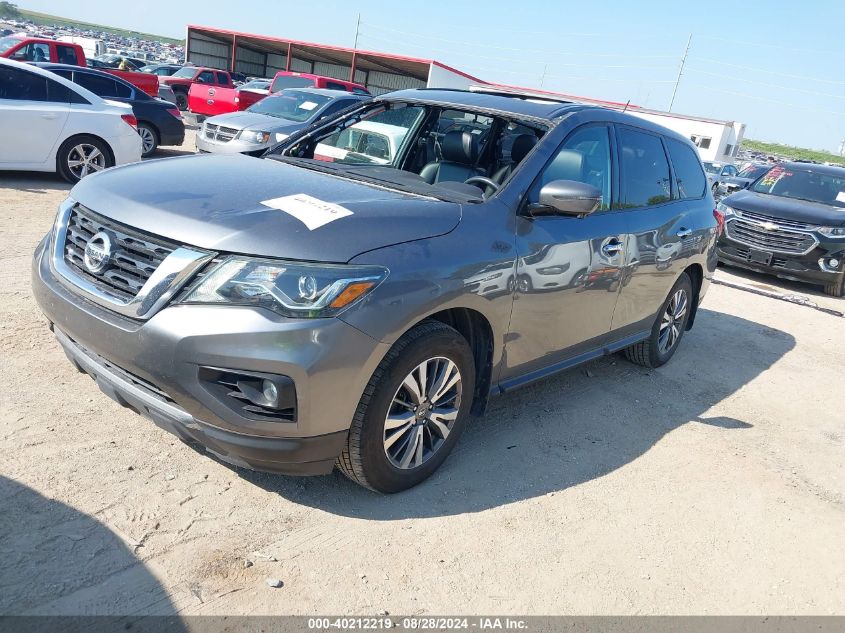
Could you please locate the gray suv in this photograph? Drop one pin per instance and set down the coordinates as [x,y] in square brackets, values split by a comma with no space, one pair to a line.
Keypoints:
[356,295]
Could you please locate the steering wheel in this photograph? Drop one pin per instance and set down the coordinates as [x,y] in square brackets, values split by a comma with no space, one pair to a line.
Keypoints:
[484,180]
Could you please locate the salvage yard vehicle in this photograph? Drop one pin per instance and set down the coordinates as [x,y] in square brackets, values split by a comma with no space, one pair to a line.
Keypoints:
[270,121]
[743,179]
[32,49]
[48,123]
[158,122]
[718,173]
[289,79]
[182,80]
[291,314]
[790,223]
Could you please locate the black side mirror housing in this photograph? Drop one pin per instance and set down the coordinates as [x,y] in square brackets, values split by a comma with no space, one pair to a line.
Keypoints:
[566,197]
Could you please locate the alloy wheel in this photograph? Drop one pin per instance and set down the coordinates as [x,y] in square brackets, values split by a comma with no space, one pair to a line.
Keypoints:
[422,413]
[85,159]
[673,321]
[147,138]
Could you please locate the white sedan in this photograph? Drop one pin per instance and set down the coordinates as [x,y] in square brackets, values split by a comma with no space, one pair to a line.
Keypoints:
[48,123]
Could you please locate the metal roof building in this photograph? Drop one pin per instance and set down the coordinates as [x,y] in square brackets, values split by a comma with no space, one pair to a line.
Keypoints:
[264,56]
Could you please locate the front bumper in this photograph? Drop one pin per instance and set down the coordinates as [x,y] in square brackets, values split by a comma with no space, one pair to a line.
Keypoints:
[804,268]
[235,146]
[153,367]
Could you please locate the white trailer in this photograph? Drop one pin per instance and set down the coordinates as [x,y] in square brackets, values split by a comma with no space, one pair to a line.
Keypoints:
[92,46]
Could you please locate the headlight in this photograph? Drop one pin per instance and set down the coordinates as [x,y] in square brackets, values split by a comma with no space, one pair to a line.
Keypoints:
[727,211]
[289,288]
[281,136]
[832,231]
[255,137]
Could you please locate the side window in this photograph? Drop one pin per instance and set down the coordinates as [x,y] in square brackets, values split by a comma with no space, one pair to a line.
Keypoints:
[122,90]
[645,170]
[19,85]
[206,77]
[66,55]
[332,85]
[583,157]
[100,86]
[689,177]
[222,79]
[58,93]
[33,52]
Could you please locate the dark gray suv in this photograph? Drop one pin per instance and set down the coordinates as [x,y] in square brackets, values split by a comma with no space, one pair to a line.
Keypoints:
[353,297]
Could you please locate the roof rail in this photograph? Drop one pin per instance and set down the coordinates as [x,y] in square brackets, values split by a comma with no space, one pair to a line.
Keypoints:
[521,93]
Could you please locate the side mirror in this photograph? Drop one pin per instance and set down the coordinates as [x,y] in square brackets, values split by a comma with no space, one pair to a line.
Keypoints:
[566,197]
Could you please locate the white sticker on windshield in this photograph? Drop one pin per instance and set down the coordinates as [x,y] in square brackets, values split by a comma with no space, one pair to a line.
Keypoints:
[308,105]
[312,212]
[840,197]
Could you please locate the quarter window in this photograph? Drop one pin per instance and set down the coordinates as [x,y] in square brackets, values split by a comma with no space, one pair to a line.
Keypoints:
[20,85]
[689,177]
[583,157]
[645,170]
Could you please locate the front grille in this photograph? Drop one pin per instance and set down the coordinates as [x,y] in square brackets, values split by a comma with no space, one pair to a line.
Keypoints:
[750,231]
[787,224]
[220,133]
[135,257]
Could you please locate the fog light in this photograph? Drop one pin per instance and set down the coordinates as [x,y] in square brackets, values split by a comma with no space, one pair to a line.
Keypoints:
[271,394]
[833,262]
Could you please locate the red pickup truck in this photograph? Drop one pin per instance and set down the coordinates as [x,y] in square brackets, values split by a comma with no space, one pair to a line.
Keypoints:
[213,100]
[182,80]
[36,49]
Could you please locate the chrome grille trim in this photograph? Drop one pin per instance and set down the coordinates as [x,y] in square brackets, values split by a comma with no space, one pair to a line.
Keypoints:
[750,231]
[787,224]
[147,274]
[219,133]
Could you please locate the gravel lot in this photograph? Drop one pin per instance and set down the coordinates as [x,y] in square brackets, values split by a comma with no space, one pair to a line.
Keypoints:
[713,485]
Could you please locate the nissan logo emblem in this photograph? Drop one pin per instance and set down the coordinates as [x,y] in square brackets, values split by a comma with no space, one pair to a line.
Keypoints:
[98,252]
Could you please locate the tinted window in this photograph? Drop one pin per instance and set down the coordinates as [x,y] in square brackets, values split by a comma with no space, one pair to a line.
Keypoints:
[331,85]
[337,106]
[58,93]
[583,157]
[66,55]
[645,170]
[206,76]
[689,177]
[19,85]
[290,81]
[222,79]
[101,86]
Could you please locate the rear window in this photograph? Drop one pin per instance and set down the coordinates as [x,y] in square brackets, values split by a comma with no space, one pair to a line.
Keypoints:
[803,184]
[645,170]
[689,178]
[8,42]
[290,81]
[102,86]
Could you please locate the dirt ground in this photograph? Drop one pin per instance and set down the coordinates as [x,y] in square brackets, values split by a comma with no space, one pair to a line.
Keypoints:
[713,485]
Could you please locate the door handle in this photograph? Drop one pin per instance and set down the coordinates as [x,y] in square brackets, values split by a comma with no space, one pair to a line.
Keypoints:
[684,233]
[611,249]
[48,116]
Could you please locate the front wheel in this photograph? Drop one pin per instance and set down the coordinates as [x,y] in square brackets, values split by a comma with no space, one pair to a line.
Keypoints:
[412,411]
[835,289]
[181,101]
[668,328]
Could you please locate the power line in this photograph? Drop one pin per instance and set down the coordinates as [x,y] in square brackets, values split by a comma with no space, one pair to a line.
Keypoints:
[767,99]
[771,72]
[745,80]
[749,45]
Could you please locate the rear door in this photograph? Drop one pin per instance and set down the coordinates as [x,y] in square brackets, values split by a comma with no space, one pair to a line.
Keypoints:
[33,112]
[569,268]
[657,209]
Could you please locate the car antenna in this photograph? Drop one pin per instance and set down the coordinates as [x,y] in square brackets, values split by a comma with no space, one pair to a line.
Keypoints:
[627,103]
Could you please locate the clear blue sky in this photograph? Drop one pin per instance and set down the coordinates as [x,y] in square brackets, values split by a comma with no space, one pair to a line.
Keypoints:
[776,66]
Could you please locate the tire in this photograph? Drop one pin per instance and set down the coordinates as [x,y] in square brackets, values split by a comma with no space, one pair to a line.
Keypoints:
[715,188]
[366,459]
[182,101]
[75,152]
[149,137]
[836,289]
[653,352]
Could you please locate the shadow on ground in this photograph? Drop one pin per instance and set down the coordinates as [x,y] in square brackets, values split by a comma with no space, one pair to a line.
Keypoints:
[761,281]
[567,429]
[57,561]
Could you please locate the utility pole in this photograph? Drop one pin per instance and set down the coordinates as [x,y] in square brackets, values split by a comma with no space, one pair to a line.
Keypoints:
[357,30]
[680,72]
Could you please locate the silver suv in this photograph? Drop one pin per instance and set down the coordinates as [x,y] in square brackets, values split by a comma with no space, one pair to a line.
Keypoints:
[354,296]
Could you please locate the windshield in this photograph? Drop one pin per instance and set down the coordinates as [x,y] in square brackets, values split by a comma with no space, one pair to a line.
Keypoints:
[711,168]
[185,73]
[255,84]
[8,42]
[290,81]
[803,184]
[753,171]
[290,104]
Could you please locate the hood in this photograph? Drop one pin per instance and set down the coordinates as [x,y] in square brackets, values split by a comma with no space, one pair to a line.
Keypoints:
[255,121]
[214,202]
[787,208]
